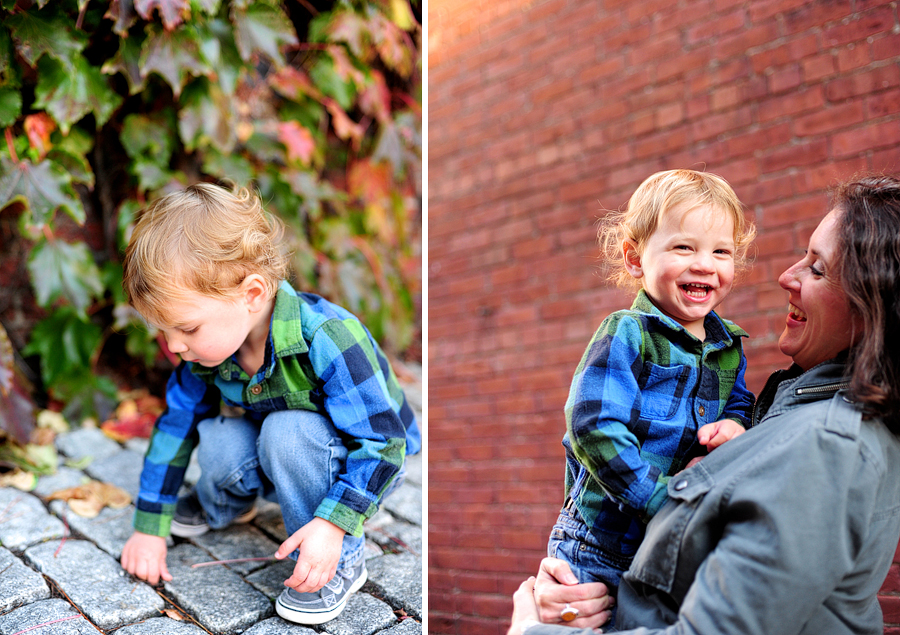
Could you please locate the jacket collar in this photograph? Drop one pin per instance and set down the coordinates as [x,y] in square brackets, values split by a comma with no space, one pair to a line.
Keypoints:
[793,386]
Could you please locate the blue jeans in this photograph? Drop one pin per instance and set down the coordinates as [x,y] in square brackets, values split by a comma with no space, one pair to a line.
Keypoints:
[590,561]
[292,459]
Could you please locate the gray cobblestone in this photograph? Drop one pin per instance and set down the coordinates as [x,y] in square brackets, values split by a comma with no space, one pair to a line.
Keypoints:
[406,627]
[161,626]
[216,596]
[19,584]
[277,626]
[24,521]
[122,469]
[109,530]
[95,582]
[87,442]
[399,580]
[402,503]
[239,541]
[44,612]
[364,615]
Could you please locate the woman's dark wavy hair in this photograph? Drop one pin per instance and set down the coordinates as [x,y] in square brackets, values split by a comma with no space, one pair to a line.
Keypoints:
[869,256]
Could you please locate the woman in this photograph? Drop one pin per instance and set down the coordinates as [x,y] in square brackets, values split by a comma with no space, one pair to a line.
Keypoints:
[791,527]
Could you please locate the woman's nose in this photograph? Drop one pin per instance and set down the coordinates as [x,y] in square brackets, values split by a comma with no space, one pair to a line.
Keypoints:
[788,279]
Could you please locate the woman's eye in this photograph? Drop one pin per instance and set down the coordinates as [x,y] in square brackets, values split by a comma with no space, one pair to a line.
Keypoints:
[816,272]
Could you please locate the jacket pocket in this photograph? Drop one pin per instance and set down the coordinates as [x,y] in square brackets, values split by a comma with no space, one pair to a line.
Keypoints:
[662,388]
[657,559]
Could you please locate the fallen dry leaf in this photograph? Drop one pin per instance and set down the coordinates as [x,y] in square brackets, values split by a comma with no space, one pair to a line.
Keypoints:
[20,479]
[89,499]
[175,615]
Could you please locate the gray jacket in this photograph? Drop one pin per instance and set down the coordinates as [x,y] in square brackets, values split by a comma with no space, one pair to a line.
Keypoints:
[788,529]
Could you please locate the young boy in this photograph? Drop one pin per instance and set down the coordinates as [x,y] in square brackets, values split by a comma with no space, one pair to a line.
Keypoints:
[659,381]
[325,427]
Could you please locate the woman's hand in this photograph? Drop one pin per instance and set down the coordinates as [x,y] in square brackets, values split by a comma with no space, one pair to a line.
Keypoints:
[524,607]
[557,586]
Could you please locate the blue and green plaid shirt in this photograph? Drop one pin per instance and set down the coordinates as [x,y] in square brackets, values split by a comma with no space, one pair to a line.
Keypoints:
[318,357]
[640,394]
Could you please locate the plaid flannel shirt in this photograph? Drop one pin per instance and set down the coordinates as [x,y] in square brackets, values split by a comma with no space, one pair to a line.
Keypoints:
[318,357]
[640,394]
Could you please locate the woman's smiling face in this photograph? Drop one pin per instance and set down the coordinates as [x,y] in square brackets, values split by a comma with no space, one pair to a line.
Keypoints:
[820,323]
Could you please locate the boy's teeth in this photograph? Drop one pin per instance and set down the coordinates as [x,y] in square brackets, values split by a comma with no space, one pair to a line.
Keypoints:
[695,290]
[796,313]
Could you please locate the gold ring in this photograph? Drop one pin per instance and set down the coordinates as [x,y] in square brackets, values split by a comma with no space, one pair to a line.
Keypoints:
[568,613]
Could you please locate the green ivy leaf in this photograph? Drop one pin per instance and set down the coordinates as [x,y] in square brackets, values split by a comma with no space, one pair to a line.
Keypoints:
[123,14]
[228,63]
[36,35]
[61,269]
[262,28]
[5,51]
[111,277]
[352,29]
[42,188]
[10,106]
[70,94]
[313,192]
[230,166]
[128,211]
[207,117]
[66,342]
[329,82]
[127,61]
[148,136]
[175,56]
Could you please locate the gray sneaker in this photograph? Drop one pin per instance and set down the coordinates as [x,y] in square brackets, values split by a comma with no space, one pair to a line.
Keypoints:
[190,520]
[325,604]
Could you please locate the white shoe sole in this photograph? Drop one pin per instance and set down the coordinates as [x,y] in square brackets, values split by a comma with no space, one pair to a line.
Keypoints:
[325,615]
[192,531]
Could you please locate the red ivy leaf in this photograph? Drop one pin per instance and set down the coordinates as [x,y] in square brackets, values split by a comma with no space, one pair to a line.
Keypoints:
[172,12]
[298,141]
[38,128]
[293,84]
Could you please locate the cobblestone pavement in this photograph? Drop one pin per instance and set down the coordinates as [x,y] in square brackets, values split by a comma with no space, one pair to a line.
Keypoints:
[61,572]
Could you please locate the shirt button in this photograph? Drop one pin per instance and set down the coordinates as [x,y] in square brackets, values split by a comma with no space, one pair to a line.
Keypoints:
[680,485]
[701,410]
[256,389]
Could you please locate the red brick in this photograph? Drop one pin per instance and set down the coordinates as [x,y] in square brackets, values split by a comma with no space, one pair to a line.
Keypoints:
[866,139]
[886,47]
[817,67]
[830,119]
[860,27]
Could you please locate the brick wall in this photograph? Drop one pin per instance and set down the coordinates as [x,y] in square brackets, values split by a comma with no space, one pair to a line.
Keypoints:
[543,113]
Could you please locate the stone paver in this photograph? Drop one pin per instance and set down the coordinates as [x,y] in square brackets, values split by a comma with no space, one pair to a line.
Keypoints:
[47,617]
[161,626]
[222,599]
[109,530]
[364,615]
[399,580]
[24,520]
[18,584]
[217,596]
[240,541]
[277,626]
[95,582]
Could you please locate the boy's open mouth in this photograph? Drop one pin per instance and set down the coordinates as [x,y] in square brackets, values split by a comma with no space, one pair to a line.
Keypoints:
[796,314]
[696,290]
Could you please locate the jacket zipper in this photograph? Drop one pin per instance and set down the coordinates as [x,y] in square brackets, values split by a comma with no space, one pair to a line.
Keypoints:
[823,388]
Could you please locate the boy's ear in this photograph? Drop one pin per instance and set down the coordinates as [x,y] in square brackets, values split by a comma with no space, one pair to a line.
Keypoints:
[255,292]
[632,259]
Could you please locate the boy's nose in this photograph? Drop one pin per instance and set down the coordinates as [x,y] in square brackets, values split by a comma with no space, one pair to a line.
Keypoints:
[176,345]
[702,262]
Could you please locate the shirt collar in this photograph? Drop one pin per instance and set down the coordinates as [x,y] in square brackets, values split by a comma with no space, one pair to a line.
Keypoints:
[717,329]
[285,338]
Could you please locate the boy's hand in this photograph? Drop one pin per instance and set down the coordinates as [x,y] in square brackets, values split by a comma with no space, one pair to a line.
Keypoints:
[320,543]
[144,556]
[714,434]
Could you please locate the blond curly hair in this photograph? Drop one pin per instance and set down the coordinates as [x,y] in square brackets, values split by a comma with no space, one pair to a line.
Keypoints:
[203,239]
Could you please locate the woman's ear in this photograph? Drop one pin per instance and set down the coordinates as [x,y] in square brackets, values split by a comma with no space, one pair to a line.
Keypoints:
[632,259]
[254,292]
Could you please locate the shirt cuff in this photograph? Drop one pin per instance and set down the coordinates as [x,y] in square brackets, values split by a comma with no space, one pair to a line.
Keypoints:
[347,519]
[153,524]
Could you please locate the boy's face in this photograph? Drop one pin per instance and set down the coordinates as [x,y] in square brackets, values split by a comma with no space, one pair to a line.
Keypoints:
[208,330]
[687,265]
